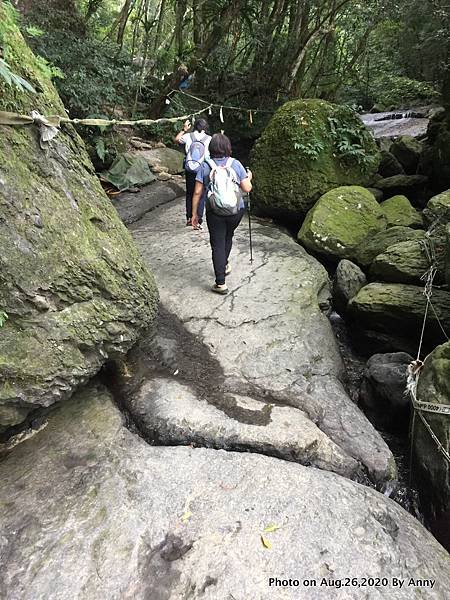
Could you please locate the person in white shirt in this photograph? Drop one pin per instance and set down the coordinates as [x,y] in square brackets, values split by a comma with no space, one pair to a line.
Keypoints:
[196,146]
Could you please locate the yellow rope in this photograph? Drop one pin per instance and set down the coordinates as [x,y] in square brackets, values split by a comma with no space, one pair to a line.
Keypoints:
[15,119]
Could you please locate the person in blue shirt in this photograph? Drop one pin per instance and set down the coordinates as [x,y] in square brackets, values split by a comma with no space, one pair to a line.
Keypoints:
[221,228]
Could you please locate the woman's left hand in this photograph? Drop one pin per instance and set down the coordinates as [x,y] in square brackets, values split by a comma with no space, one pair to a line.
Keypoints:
[195,222]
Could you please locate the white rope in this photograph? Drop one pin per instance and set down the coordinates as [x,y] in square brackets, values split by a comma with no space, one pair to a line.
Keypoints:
[415,368]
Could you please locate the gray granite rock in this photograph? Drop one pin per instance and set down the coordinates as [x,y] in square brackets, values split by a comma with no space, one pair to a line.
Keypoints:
[133,206]
[347,282]
[90,511]
[267,336]
[383,390]
[171,413]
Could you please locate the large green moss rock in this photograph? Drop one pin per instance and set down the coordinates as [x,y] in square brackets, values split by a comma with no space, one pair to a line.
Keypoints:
[404,262]
[431,470]
[308,148]
[396,309]
[340,221]
[399,211]
[71,279]
[378,243]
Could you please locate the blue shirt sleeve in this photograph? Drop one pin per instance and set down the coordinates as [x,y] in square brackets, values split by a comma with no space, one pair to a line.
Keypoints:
[239,170]
[203,173]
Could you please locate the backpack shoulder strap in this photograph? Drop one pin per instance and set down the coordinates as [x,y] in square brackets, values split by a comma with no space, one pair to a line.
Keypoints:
[192,137]
[229,162]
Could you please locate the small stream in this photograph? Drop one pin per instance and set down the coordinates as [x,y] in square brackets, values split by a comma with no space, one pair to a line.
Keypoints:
[403,493]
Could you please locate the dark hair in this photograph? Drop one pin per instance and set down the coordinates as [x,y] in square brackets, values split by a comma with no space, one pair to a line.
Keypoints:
[201,125]
[219,146]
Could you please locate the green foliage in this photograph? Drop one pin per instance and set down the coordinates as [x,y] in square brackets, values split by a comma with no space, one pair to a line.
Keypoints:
[13,79]
[7,25]
[96,77]
[393,91]
[3,318]
[351,139]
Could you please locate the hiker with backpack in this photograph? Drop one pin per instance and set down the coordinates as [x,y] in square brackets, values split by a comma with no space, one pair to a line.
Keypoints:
[221,181]
[196,145]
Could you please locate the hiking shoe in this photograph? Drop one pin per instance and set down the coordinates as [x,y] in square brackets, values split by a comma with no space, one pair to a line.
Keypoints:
[220,289]
[189,223]
[227,269]
[198,226]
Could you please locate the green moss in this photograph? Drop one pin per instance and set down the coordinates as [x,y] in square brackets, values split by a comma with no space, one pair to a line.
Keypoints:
[399,211]
[378,243]
[308,148]
[340,221]
[71,279]
[405,262]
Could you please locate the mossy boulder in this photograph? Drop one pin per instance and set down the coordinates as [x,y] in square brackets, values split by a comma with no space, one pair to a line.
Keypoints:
[378,243]
[340,221]
[397,309]
[406,150]
[71,279]
[438,209]
[308,148]
[431,470]
[399,211]
[405,262]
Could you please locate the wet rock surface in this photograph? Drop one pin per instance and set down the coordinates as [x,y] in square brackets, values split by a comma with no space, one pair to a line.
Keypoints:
[105,515]
[270,345]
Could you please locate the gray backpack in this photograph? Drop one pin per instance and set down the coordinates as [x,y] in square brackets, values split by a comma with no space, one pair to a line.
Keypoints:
[196,154]
[223,194]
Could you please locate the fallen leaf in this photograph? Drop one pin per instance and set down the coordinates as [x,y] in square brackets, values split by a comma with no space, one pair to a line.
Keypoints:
[266,543]
[271,527]
[187,515]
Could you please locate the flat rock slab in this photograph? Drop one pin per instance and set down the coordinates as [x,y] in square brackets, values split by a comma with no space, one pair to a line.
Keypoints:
[172,414]
[133,206]
[168,159]
[268,336]
[90,511]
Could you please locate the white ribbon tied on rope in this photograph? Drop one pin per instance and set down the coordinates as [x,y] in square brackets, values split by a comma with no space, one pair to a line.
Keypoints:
[47,131]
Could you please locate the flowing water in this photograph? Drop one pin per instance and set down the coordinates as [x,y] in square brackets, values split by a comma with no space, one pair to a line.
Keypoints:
[393,124]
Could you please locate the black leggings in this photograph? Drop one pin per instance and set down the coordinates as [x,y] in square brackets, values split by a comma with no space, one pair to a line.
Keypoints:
[190,185]
[221,231]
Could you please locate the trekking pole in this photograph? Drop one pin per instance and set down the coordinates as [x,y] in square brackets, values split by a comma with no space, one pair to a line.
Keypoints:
[250,226]
[249,222]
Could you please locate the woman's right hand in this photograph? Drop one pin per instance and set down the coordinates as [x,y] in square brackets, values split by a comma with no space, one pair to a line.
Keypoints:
[187,125]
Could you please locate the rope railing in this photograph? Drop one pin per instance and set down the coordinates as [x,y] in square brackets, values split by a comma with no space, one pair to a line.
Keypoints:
[415,368]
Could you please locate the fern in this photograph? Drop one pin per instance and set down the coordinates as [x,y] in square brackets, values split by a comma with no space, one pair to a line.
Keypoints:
[13,79]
